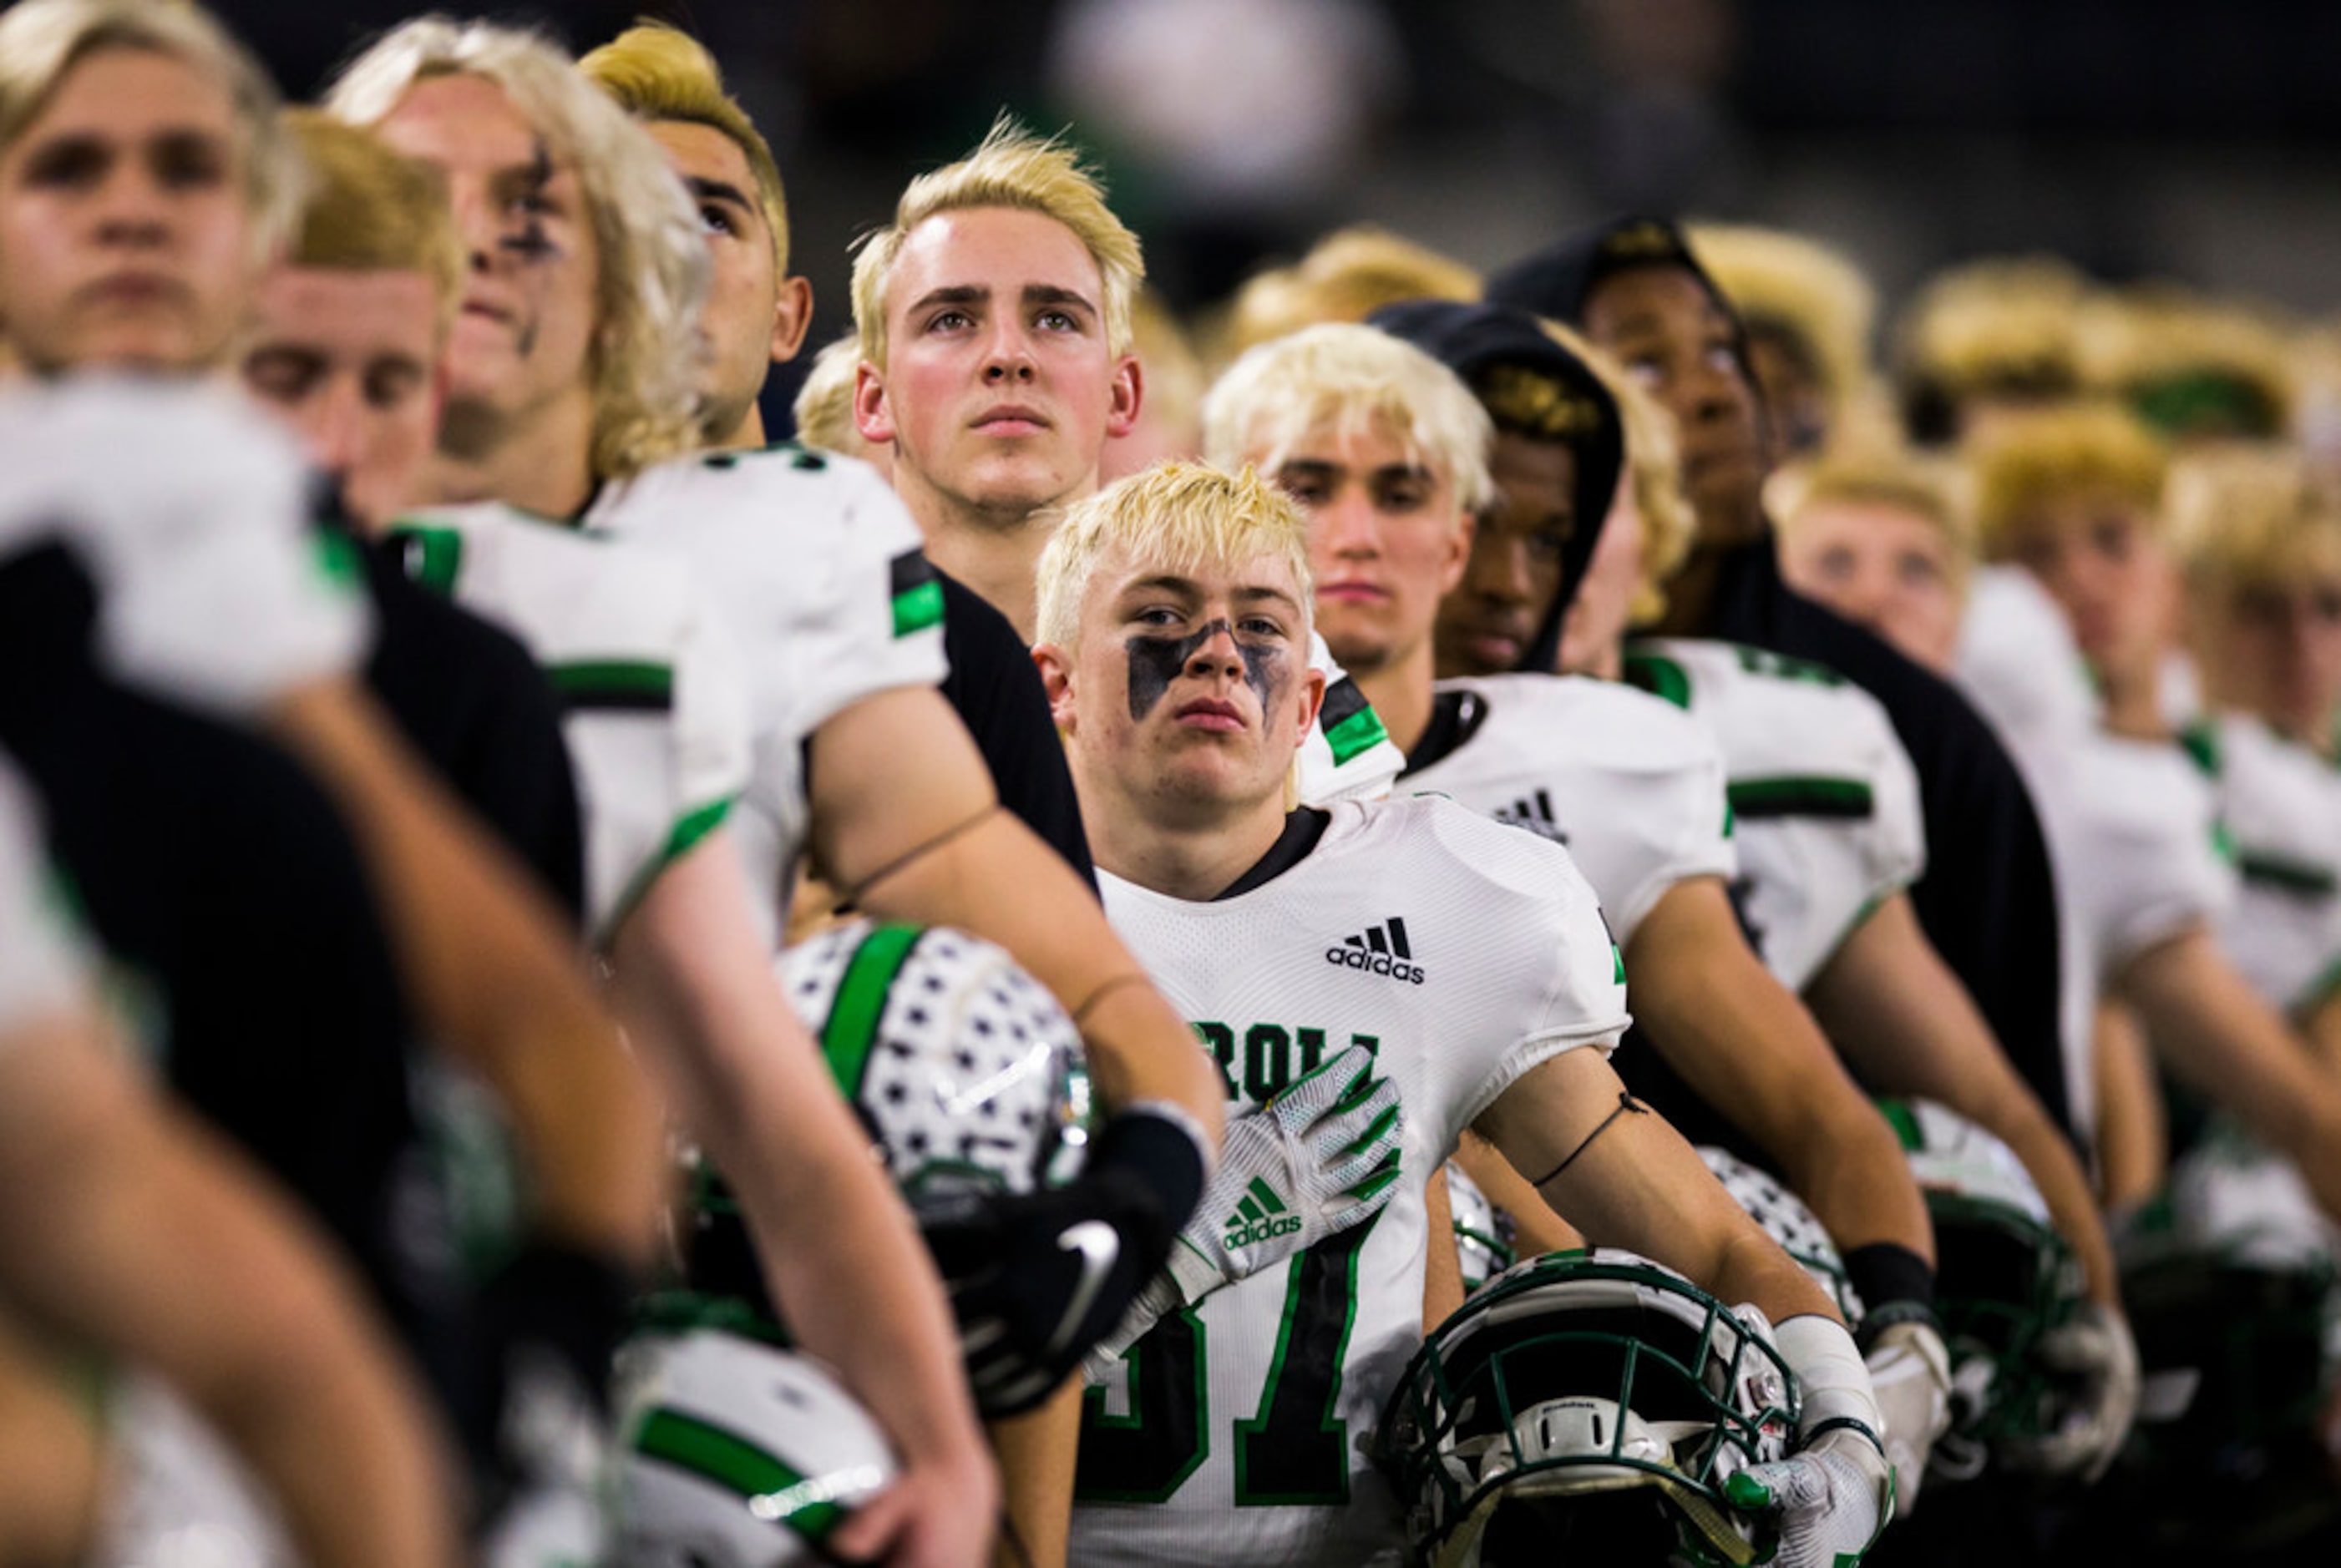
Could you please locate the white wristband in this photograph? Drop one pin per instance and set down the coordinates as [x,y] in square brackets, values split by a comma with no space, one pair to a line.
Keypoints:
[1831,1373]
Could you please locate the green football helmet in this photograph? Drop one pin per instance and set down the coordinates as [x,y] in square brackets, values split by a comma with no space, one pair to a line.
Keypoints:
[2230,1285]
[1587,1407]
[2003,1279]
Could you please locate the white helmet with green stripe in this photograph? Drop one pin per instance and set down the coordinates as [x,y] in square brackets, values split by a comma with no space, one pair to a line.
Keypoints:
[738,1454]
[963,1067]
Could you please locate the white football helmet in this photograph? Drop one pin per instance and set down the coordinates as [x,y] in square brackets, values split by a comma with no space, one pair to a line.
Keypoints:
[737,1454]
[1587,1405]
[1483,1238]
[963,1066]
[1786,1220]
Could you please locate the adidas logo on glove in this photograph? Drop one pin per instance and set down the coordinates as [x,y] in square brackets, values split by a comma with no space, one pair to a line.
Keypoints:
[1261,1216]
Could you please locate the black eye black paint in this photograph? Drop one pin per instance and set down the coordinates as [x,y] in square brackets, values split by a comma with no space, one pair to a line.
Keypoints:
[532,245]
[1156,662]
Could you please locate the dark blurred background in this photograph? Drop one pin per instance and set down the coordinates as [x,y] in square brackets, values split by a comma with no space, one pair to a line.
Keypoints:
[2140,138]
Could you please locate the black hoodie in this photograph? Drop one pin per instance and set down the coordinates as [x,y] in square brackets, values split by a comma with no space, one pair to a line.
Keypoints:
[1987,900]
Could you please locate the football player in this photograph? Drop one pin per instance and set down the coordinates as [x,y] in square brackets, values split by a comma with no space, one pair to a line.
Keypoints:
[143,182]
[1987,903]
[1385,450]
[1467,958]
[124,1227]
[657,724]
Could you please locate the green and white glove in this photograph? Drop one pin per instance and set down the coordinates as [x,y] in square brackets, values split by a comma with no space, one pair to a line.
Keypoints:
[1836,1492]
[1320,1159]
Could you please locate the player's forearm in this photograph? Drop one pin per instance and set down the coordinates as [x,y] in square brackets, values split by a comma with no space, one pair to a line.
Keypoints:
[1139,1048]
[2215,1035]
[498,984]
[1039,1453]
[1536,1228]
[1899,1014]
[1442,1272]
[179,1256]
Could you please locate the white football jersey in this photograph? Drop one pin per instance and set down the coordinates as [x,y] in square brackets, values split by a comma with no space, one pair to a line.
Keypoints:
[818,570]
[1347,754]
[654,704]
[1465,954]
[2281,805]
[1824,801]
[42,964]
[1632,785]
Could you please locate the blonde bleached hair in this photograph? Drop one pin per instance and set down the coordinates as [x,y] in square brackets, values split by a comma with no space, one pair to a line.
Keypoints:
[41,41]
[1345,379]
[2191,366]
[1176,517]
[2032,460]
[2253,516]
[369,209]
[825,405]
[1174,376]
[1876,473]
[1346,276]
[653,271]
[659,72]
[1801,289]
[1012,168]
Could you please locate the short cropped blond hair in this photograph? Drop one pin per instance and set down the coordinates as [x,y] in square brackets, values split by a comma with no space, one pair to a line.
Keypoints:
[1346,379]
[1174,376]
[2033,460]
[368,209]
[659,72]
[1346,276]
[2253,517]
[1010,167]
[41,41]
[654,265]
[824,404]
[1932,490]
[1176,517]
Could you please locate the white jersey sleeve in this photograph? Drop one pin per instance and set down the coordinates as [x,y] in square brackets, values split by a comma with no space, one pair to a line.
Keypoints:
[2018,662]
[1347,754]
[42,963]
[2145,856]
[653,702]
[2281,806]
[1824,800]
[1630,784]
[817,569]
[1462,953]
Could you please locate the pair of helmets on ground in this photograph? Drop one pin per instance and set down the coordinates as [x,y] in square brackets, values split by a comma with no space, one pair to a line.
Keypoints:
[736,1450]
[1594,1406]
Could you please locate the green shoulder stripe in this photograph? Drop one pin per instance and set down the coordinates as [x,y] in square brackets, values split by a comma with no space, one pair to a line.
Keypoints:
[1350,725]
[2287,875]
[1659,676]
[917,596]
[433,557]
[681,839]
[852,1031]
[613,684]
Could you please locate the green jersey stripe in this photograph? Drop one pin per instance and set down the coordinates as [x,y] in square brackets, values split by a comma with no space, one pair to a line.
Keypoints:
[782,1495]
[853,1029]
[433,557]
[681,839]
[1755,799]
[2287,875]
[917,597]
[617,684]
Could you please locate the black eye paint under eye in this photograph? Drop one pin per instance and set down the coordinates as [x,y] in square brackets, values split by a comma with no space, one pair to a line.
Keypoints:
[1156,662]
[531,243]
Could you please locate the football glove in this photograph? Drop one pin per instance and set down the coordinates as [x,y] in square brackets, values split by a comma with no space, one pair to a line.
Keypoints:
[1836,1492]
[1910,1371]
[1037,1278]
[2097,1351]
[190,511]
[1320,1159]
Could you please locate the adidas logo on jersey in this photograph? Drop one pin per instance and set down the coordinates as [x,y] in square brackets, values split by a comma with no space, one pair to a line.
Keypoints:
[1378,950]
[1534,812]
[1261,1216]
